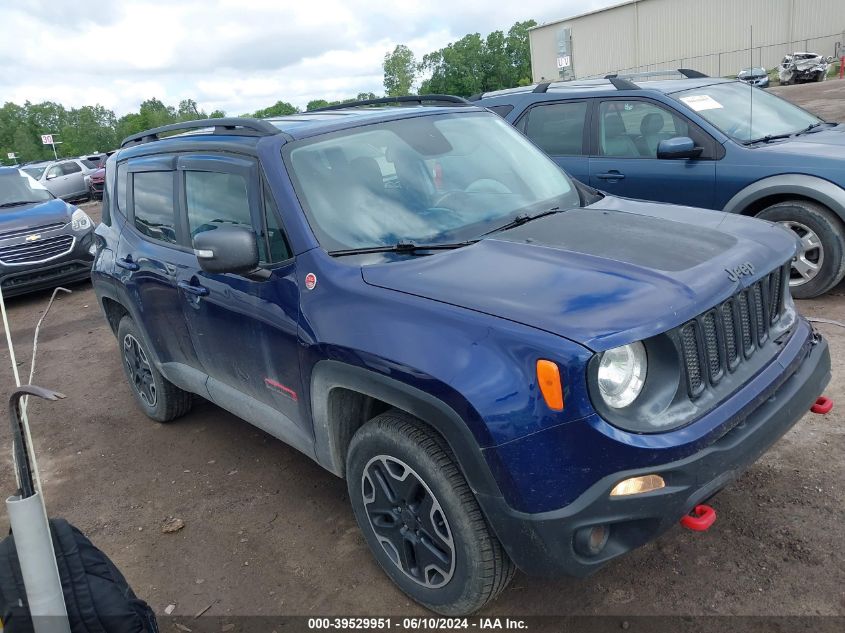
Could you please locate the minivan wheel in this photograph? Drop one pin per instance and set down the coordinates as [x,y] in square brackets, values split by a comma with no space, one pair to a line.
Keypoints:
[820,262]
[420,517]
[160,399]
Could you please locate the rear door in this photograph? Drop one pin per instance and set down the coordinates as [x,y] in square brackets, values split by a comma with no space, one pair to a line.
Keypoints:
[244,328]
[560,128]
[151,255]
[624,161]
[75,178]
[57,181]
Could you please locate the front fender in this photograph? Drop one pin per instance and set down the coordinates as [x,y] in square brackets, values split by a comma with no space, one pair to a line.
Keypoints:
[804,185]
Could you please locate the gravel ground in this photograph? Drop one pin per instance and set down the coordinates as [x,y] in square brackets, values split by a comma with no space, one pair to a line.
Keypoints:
[267,532]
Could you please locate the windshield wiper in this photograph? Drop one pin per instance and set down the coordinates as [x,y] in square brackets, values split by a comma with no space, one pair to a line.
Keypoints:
[769,137]
[18,203]
[401,247]
[521,219]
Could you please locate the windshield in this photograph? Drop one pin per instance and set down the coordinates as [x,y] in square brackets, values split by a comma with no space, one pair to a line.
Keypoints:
[18,187]
[744,112]
[430,179]
[35,172]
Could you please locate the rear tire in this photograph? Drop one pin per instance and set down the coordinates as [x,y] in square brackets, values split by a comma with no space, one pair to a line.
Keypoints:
[430,536]
[160,399]
[821,261]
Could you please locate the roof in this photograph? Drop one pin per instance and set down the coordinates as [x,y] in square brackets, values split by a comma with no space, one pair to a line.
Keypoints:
[585,14]
[319,122]
[666,86]
[294,126]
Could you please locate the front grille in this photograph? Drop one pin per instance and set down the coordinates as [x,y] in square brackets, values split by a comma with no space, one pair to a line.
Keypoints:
[719,340]
[37,251]
[31,230]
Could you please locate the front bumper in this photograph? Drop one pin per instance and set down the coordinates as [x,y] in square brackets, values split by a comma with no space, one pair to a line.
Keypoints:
[73,266]
[542,544]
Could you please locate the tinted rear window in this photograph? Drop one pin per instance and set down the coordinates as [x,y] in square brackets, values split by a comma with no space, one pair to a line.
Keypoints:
[153,203]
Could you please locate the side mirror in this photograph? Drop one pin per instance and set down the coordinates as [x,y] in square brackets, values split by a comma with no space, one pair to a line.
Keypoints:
[50,176]
[678,147]
[227,249]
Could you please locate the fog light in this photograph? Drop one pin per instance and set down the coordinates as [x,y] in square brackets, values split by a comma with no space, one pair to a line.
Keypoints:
[590,541]
[637,485]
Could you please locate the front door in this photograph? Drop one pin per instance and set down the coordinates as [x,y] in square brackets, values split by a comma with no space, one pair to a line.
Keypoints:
[57,182]
[559,129]
[625,163]
[244,328]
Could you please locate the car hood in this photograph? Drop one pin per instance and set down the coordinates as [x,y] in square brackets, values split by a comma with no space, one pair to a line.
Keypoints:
[605,275]
[34,216]
[827,144]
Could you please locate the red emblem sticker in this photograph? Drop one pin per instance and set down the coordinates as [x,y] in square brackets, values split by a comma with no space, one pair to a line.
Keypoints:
[310,281]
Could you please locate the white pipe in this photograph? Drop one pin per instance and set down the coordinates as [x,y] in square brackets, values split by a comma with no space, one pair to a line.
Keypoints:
[38,564]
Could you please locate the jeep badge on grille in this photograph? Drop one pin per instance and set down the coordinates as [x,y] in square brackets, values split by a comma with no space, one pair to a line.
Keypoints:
[743,270]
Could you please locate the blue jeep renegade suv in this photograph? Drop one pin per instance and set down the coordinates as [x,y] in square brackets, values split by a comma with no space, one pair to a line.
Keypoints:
[509,368]
[699,141]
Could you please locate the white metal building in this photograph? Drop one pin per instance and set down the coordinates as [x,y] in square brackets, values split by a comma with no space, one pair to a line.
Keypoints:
[717,37]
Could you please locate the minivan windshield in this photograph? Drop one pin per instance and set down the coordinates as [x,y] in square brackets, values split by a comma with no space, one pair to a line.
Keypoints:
[18,188]
[35,172]
[746,113]
[429,179]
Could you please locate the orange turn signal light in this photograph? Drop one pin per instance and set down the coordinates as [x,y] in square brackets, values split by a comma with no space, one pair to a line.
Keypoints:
[548,377]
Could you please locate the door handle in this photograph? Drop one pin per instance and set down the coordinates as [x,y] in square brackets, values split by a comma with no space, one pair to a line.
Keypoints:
[191,289]
[611,175]
[127,263]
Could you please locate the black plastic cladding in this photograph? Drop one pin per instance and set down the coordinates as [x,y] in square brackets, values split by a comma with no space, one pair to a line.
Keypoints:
[717,341]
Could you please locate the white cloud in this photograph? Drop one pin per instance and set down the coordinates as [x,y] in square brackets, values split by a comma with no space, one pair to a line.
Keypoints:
[231,54]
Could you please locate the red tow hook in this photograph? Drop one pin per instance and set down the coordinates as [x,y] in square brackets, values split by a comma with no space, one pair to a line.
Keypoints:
[700,519]
[823,405]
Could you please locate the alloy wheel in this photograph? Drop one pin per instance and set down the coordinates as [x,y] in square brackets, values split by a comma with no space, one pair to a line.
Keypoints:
[408,521]
[140,372]
[810,258]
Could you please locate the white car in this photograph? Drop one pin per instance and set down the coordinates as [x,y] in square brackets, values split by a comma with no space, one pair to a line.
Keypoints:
[802,67]
[64,178]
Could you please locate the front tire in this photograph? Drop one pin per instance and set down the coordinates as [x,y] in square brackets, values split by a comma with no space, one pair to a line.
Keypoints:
[820,263]
[420,517]
[160,399]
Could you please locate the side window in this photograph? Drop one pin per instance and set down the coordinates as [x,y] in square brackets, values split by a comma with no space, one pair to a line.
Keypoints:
[70,167]
[557,128]
[214,199]
[277,245]
[152,193]
[54,171]
[121,188]
[634,129]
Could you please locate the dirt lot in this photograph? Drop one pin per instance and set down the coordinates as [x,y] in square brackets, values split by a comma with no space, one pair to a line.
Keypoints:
[269,532]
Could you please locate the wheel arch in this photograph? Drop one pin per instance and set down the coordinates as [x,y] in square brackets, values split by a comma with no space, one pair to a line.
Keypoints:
[343,397]
[774,189]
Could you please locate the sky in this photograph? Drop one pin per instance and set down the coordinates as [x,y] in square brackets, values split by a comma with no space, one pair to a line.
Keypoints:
[233,55]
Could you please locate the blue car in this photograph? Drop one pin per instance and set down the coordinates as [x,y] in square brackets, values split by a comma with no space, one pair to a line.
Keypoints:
[701,142]
[44,241]
[509,368]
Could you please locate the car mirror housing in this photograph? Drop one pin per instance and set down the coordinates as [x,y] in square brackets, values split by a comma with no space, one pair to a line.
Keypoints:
[678,147]
[227,249]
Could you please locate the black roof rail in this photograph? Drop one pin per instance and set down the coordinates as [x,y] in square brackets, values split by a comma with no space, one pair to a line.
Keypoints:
[230,125]
[689,73]
[420,99]
[476,97]
[542,87]
[622,84]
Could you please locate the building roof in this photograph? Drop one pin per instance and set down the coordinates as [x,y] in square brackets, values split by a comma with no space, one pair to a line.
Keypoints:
[586,13]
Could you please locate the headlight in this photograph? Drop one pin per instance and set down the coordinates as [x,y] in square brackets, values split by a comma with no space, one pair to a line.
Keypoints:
[621,375]
[80,221]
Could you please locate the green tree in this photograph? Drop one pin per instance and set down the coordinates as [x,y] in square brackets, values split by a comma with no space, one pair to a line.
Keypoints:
[474,64]
[316,103]
[400,70]
[217,114]
[280,108]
